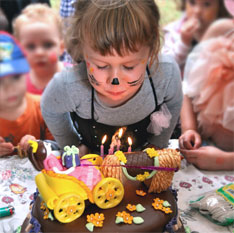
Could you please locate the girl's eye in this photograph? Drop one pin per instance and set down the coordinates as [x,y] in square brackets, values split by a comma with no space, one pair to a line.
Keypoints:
[192,2]
[48,45]
[30,46]
[16,77]
[207,4]
[129,67]
[101,67]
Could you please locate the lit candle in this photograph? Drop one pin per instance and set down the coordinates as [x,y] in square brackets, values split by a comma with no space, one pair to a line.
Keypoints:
[130,144]
[119,136]
[102,146]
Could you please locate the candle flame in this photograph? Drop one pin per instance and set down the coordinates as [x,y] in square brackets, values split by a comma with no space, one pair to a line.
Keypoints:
[129,141]
[104,139]
[120,132]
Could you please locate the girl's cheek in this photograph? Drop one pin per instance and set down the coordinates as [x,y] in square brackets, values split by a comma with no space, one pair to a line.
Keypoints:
[53,58]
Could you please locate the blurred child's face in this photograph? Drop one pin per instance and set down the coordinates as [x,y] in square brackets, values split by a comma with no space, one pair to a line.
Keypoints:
[42,44]
[129,70]
[206,11]
[12,91]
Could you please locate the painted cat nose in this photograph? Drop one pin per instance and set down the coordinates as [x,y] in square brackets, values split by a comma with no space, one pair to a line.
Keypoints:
[115,81]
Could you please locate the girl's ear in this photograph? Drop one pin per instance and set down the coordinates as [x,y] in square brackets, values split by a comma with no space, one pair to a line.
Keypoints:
[61,47]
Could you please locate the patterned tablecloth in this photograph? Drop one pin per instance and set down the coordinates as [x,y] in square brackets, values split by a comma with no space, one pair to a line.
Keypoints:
[191,183]
[17,187]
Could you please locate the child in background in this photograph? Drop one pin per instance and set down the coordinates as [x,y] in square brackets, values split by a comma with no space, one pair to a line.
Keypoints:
[38,28]
[207,115]
[20,115]
[119,82]
[181,36]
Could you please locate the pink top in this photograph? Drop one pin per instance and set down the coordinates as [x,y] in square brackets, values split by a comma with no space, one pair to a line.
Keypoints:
[31,88]
[173,45]
[209,82]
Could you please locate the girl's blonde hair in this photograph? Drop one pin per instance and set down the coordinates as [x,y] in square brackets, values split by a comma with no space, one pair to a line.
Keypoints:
[122,28]
[37,12]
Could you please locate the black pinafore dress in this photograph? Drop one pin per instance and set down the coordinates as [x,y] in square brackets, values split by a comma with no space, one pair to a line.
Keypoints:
[92,132]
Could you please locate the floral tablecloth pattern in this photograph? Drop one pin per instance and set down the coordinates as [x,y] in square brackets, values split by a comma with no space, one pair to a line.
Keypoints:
[190,183]
[17,186]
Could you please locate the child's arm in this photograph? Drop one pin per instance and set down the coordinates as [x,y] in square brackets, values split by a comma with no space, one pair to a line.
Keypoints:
[190,138]
[6,148]
[210,158]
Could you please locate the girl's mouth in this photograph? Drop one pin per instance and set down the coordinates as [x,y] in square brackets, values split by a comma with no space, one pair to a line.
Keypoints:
[115,93]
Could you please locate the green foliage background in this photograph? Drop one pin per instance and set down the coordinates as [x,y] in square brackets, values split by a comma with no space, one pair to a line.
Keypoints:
[168,9]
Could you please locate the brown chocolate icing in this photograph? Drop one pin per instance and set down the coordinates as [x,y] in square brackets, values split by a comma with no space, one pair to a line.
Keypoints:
[38,157]
[138,158]
[154,220]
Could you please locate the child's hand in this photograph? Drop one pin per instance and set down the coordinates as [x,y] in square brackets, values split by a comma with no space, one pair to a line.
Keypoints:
[188,29]
[189,140]
[24,142]
[209,158]
[5,147]
[83,150]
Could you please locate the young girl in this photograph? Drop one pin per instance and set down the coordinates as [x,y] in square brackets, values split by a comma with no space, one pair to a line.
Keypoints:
[181,36]
[208,109]
[119,82]
[38,29]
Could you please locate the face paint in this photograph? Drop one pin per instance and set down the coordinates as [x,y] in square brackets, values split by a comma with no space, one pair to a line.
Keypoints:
[53,58]
[91,69]
[93,80]
[136,82]
[115,81]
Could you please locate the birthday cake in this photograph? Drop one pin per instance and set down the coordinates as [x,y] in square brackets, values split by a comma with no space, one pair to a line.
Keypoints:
[120,192]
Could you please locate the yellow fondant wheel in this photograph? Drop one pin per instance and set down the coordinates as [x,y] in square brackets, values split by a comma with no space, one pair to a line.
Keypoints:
[108,193]
[69,207]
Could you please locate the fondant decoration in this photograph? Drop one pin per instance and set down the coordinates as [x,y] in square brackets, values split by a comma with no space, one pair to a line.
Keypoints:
[65,194]
[39,150]
[94,220]
[131,207]
[136,166]
[70,157]
[138,220]
[90,226]
[127,218]
[115,170]
[159,204]
[143,177]
[119,220]
[166,204]
[140,193]
[140,208]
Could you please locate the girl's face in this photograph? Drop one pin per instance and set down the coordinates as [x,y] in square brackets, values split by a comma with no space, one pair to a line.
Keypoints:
[206,11]
[42,44]
[129,70]
[12,91]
